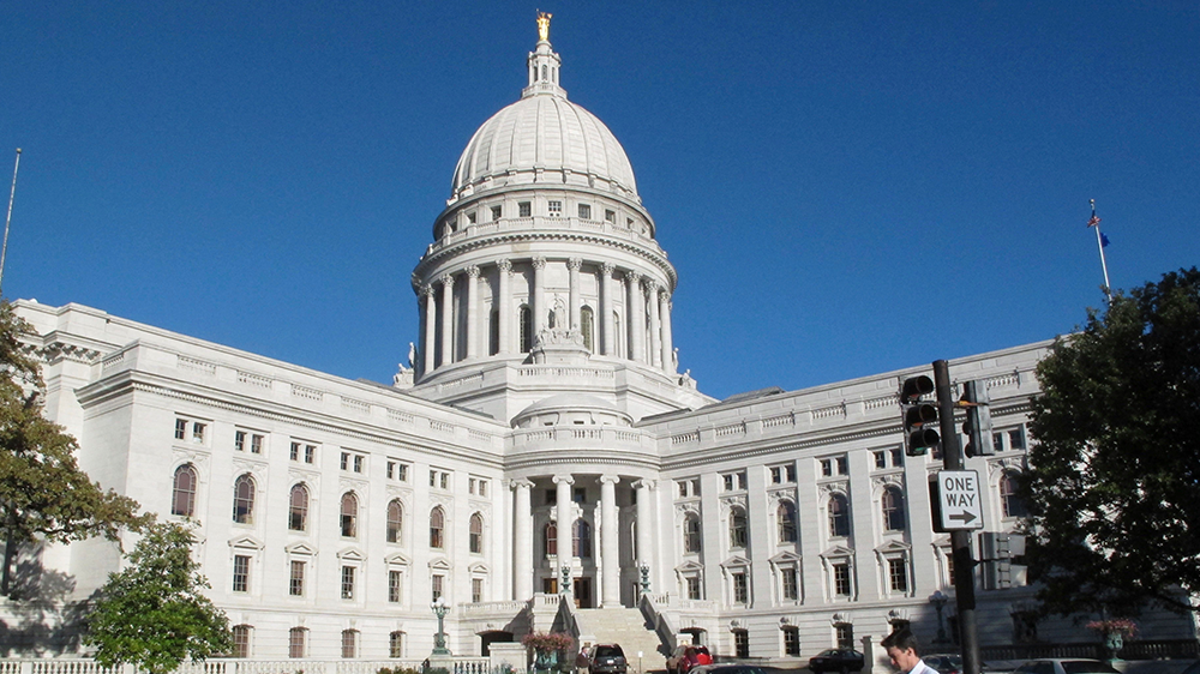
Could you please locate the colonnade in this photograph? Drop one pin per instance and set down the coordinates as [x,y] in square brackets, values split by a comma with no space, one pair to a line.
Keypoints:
[524,541]
[647,313]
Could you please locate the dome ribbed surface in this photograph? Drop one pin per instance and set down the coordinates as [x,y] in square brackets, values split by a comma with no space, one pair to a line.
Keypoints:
[543,132]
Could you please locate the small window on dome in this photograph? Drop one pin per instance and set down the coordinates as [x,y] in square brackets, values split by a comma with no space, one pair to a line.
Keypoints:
[496,212]
[585,212]
[524,209]
[610,216]
[471,218]
[555,208]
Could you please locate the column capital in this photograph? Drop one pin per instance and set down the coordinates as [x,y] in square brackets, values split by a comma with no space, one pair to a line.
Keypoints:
[427,290]
[607,268]
[632,276]
[575,263]
[447,280]
[559,479]
[473,271]
[644,484]
[538,262]
[504,264]
[520,483]
[651,287]
[610,479]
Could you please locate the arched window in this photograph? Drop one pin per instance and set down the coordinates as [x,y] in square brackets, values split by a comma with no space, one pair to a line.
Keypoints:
[786,515]
[183,494]
[1009,500]
[581,541]
[243,499]
[475,531]
[437,528]
[349,515]
[298,508]
[893,509]
[494,331]
[349,644]
[395,521]
[297,638]
[737,528]
[241,641]
[526,329]
[839,515]
[550,539]
[586,323]
[396,645]
[691,533]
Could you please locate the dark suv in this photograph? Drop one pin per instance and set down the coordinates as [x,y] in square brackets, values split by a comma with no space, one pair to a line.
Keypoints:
[607,659]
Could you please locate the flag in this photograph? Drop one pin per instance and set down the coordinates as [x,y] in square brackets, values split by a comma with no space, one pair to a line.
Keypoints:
[1103,240]
[1094,221]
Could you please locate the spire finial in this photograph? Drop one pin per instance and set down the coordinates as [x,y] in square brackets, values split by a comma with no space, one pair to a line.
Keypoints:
[543,22]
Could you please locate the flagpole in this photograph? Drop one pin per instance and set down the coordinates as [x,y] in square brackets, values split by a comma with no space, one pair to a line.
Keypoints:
[8,220]
[1095,222]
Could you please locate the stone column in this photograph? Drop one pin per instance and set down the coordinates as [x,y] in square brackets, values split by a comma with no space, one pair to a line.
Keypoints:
[610,551]
[664,319]
[645,521]
[607,336]
[429,350]
[574,264]
[504,305]
[655,355]
[566,520]
[538,306]
[472,311]
[636,317]
[447,320]
[522,541]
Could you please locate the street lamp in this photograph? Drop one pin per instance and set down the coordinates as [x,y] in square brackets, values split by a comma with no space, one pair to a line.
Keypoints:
[440,608]
[939,602]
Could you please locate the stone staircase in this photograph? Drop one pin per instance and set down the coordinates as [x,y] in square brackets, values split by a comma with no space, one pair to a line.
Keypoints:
[624,626]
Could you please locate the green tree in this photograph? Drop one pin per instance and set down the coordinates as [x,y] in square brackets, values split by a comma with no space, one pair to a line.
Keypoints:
[1114,484]
[44,496]
[153,613]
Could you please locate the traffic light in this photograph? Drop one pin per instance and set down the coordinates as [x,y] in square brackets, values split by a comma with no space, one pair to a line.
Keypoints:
[919,417]
[978,425]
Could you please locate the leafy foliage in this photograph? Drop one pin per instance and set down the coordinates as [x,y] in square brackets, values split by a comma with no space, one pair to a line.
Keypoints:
[153,613]
[43,493]
[1115,478]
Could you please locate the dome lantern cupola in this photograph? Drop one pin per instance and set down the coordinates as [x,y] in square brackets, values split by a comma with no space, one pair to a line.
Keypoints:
[544,64]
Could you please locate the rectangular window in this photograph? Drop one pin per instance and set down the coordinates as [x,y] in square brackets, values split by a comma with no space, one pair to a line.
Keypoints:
[728,482]
[241,573]
[394,586]
[791,641]
[497,211]
[181,429]
[239,441]
[310,451]
[693,587]
[524,209]
[826,467]
[436,587]
[483,487]
[880,458]
[683,489]
[998,442]
[790,588]
[396,645]
[241,641]
[349,644]
[741,643]
[897,456]
[198,430]
[843,466]
[296,642]
[776,475]
[741,591]
[256,444]
[585,212]
[359,461]
[610,216]
[345,462]
[294,452]
[348,582]
[898,575]
[476,590]
[445,481]
[841,579]
[471,217]
[296,582]
[554,207]
[1016,438]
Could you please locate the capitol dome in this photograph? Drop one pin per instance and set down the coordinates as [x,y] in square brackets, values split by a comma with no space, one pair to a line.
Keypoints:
[544,138]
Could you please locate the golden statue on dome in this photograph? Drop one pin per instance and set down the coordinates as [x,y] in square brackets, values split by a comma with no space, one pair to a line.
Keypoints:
[543,22]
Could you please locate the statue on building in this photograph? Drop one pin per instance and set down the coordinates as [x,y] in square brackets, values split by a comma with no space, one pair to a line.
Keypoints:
[412,355]
[543,22]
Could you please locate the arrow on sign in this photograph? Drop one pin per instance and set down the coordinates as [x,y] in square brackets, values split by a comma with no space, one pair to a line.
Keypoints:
[964,517]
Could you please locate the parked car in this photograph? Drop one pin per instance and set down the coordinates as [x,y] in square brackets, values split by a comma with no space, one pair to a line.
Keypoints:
[687,656]
[727,669]
[1065,666]
[944,663]
[607,659]
[836,660]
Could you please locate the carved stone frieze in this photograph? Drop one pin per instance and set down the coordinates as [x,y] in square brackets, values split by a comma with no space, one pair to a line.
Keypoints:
[835,487]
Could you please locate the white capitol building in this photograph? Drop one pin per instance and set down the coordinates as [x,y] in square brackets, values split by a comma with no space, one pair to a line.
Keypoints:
[545,397]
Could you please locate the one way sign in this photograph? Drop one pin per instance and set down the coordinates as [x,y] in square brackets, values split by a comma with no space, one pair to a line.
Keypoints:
[959,495]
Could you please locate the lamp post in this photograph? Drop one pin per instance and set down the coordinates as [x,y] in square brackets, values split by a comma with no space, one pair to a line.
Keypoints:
[939,602]
[440,607]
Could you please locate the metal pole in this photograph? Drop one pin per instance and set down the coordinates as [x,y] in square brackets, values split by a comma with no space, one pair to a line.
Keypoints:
[8,220]
[960,540]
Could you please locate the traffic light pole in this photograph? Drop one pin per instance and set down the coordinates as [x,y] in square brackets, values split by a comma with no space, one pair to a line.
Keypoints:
[960,539]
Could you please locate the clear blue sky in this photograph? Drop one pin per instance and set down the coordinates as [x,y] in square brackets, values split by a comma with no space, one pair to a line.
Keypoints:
[265,175]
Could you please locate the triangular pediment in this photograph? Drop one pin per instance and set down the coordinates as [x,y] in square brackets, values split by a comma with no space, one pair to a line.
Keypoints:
[397,559]
[246,543]
[300,549]
[479,567]
[439,564]
[785,558]
[351,555]
[689,567]
[736,561]
[837,551]
[893,547]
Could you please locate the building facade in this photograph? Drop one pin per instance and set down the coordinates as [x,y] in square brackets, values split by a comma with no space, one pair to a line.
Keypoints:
[542,447]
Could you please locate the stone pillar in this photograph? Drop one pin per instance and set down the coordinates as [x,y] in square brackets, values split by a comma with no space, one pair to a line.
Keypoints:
[607,335]
[664,319]
[504,305]
[472,311]
[576,308]
[447,320]
[566,520]
[429,349]
[610,551]
[655,355]
[645,521]
[538,306]
[636,316]
[522,541]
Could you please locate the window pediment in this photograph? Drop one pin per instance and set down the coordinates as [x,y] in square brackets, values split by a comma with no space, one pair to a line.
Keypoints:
[478,567]
[785,558]
[246,543]
[689,567]
[300,549]
[893,547]
[837,551]
[397,559]
[439,564]
[735,562]
[351,555]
